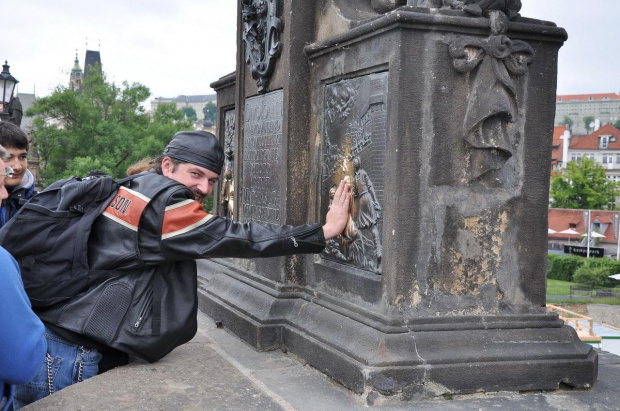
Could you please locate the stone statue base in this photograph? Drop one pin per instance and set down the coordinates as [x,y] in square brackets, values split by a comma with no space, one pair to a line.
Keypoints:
[440,114]
[426,358]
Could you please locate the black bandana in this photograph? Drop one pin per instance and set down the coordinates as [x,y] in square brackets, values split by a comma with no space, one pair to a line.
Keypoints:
[197,147]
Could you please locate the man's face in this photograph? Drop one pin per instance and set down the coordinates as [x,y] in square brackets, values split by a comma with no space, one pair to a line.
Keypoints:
[17,161]
[198,179]
[3,192]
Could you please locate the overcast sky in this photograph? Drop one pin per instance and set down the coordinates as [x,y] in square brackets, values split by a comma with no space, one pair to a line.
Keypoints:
[171,46]
[181,46]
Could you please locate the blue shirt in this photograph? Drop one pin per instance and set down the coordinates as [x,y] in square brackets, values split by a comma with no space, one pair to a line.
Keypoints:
[22,344]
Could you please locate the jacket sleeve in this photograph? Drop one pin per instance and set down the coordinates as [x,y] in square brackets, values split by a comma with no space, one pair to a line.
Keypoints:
[22,344]
[189,233]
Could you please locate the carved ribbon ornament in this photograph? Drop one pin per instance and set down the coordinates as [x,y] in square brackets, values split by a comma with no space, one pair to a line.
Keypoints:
[492,102]
[261,33]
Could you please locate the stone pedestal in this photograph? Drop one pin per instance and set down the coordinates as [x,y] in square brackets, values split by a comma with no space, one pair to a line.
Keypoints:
[442,121]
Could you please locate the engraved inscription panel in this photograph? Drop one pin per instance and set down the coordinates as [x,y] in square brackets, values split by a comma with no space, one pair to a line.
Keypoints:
[262,153]
[354,140]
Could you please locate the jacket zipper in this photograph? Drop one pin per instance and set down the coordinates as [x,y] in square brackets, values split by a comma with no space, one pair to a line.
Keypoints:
[140,319]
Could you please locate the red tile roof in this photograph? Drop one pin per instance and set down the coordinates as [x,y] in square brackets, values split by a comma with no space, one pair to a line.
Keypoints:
[591,141]
[560,218]
[558,131]
[586,97]
[557,144]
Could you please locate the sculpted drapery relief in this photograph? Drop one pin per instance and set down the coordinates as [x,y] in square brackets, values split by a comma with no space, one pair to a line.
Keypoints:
[492,64]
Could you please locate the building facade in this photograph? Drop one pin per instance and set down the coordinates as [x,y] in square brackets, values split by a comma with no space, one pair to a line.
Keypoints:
[559,147]
[567,227]
[197,102]
[602,146]
[602,107]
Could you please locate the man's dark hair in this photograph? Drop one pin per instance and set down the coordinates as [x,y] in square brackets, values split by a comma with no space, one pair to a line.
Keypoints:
[11,136]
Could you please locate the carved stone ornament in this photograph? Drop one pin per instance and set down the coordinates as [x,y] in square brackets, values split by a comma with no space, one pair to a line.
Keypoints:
[261,33]
[15,111]
[493,103]
[475,8]
[384,6]
[228,186]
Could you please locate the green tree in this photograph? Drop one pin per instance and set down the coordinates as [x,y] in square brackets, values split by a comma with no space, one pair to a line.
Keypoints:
[583,186]
[617,124]
[596,271]
[190,113]
[587,120]
[102,127]
[568,122]
[209,111]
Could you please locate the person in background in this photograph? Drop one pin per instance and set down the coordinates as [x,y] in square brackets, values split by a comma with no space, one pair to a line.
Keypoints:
[20,186]
[22,344]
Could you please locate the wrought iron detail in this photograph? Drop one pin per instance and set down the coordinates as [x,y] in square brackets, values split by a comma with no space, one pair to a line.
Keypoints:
[261,33]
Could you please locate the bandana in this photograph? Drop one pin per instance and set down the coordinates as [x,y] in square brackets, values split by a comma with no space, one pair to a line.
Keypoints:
[197,147]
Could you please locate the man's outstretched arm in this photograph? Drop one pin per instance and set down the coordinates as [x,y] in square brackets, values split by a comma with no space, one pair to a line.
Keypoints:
[187,232]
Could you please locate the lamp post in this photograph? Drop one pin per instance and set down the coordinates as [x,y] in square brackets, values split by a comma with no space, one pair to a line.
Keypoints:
[7,85]
[589,224]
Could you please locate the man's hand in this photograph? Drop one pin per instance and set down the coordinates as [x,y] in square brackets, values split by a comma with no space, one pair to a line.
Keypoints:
[338,214]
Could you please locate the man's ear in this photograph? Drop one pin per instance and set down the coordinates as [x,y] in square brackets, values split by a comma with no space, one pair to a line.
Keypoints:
[166,166]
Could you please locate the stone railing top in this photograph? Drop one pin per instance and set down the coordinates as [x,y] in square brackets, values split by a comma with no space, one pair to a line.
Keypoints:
[442,19]
[225,81]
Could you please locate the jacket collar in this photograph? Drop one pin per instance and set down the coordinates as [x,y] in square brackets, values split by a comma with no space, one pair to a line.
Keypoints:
[27,183]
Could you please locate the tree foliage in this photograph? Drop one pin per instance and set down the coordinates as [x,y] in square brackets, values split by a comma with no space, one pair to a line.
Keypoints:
[587,120]
[596,271]
[568,122]
[209,111]
[190,113]
[560,267]
[103,127]
[583,186]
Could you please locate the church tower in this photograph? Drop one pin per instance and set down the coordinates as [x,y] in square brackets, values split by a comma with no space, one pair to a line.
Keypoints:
[92,65]
[75,80]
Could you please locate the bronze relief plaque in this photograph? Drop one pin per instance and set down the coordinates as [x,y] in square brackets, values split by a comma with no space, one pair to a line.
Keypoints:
[354,141]
[262,155]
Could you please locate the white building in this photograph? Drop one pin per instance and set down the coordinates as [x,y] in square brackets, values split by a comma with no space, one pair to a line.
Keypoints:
[196,102]
[602,107]
[602,146]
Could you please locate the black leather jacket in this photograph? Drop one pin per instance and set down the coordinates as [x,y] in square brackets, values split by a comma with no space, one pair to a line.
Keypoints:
[148,239]
[174,227]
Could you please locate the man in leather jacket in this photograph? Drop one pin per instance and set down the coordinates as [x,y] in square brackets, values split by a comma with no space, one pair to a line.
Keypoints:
[20,185]
[152,232]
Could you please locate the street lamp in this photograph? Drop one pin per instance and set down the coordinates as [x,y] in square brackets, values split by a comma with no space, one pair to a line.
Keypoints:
[7,85]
